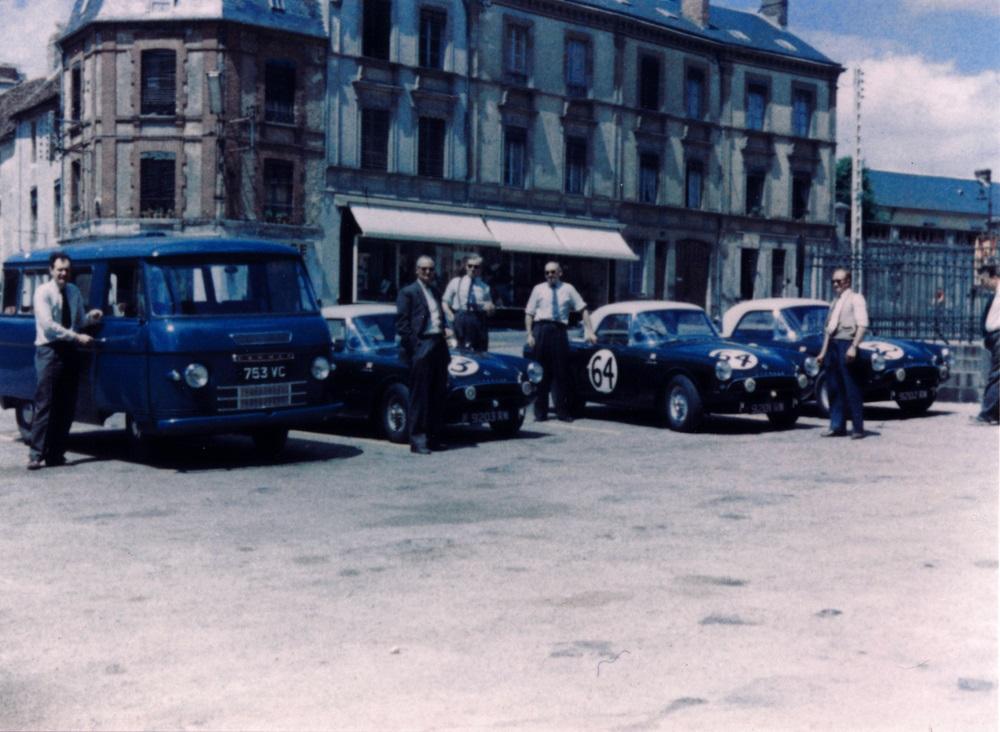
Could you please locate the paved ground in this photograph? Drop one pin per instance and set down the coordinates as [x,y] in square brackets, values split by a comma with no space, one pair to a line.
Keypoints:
[600,575]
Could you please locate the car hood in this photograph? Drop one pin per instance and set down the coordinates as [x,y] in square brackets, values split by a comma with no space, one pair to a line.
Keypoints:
[475,365]
[747,359]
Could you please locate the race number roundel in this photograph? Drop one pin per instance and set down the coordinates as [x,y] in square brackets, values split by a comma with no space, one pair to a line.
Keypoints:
[889,352]
[462,366]
[738,359]
[603,371]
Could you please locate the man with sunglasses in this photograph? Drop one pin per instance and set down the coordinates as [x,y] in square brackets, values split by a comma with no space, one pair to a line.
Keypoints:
[845,328]
[467,302]
[546,317]
[423,330]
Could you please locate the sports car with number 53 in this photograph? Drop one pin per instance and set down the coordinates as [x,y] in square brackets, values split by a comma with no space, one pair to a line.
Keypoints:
[907,372]
[483,388]
[668,357]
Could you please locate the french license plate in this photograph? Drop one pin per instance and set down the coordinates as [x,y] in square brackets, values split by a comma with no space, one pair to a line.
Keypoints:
[767,408]
[905,396]
[499,415]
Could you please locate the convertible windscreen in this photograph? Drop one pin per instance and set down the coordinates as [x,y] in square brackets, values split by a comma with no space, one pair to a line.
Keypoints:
[257,287]
[671,324]
[376,330]
[807,320]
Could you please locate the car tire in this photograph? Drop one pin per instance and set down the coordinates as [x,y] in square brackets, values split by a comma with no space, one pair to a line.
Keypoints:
[270,441]
[393,418]
[141,445]
[509,427]
[682,407]
[822,397]
[24,414]
[916,407]
[784,420]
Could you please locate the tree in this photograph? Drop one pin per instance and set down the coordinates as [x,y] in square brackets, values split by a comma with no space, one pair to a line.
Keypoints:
[869,208]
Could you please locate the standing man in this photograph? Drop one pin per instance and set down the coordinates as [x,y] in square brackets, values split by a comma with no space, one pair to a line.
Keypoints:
[989,412]
[546,317]
[59,316]
[420,323]
[467,302]
[844,330]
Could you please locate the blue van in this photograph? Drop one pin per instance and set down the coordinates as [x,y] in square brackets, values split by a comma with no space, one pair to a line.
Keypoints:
[199,336]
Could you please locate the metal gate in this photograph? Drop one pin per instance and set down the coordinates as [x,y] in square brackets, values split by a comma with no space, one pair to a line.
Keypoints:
[913,290]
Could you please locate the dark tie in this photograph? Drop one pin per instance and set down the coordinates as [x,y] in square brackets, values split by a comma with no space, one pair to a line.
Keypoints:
[986,312]
[470,304]
[555,303]
[66,320]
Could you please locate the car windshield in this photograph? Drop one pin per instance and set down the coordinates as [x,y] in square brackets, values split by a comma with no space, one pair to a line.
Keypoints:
[806,320]
[230,287]
[376,330]
[662,325]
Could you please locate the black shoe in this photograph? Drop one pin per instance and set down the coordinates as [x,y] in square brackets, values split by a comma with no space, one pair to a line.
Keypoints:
[981,420]
[420,449]
[857,435]
[565,418]
[34,465]
[832,433]
[55,461]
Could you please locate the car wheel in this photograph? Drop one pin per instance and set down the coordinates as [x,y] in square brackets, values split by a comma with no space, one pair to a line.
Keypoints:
[916,406]
[393,414]
[784,420]
[141,445]
[682,406]
[270,441]
[509,427]
[823,397]
[24,413]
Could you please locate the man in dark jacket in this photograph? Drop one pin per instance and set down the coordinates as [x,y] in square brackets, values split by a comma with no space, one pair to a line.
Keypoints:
[422,329]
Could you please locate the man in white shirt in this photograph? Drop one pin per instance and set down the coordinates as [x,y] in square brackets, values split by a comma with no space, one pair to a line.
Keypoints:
[845,328]
[467,301]
[989,412]
[546,317]
[59,318]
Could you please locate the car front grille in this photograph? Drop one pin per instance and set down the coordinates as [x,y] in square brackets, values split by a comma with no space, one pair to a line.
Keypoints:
[261,396]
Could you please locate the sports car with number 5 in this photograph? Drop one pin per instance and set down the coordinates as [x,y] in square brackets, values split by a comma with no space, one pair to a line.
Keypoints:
[483,388]
[668,357]
[907,372]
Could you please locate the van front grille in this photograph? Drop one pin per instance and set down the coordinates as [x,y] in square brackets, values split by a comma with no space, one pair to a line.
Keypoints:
[261,396]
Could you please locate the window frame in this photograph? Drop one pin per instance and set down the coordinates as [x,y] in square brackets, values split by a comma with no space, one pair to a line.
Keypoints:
[694,167]
[573,89]
[649,92]
[575,176]
[512,29]
[801,197]
[429,57]
[376,38]
[759,178]
[431,161]
[797,91]
[148,182]
[522,132]
[281,80]
[757,86]
[158,82]
[644,158]
[689,72]
[274,180]
[366,137]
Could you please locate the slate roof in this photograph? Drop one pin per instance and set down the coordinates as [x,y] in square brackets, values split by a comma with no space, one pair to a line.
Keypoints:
[303,17]
[931,193]
[727,26]
[22,97]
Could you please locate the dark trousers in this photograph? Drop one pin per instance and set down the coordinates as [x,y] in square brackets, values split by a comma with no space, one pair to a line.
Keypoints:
[844,390]
[552,352]
[428,389]
[57,370]
[990,408]
[471,331]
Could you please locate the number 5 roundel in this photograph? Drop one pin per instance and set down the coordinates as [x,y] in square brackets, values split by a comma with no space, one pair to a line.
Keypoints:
[603,371]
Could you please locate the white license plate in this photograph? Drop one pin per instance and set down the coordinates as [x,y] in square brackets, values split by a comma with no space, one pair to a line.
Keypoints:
[480,417]
[767,408]
[905,396]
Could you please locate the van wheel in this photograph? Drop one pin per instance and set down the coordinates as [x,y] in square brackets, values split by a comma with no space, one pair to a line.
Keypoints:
[682,408]
[141,445]
[509,427]
[270,441]
[393,419]
[784,420]
[823,397]
[24,413]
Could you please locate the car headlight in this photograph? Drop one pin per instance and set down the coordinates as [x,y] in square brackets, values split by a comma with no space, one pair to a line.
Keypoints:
[750,385]
[470,393]
[878,361]
[320,368]
[811,367]
[195,375]
[527,387]
[723,370]
[945,353]
[900,374]
[535,372]
[944,372]
[803,381]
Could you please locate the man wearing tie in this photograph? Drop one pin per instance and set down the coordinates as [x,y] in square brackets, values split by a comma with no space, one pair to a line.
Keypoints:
[546,317]
[989,412]
[844,330]
[421,326]
[59,318]
[467,302]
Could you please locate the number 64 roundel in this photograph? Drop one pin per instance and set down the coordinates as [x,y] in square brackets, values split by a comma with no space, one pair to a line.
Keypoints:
[602,370]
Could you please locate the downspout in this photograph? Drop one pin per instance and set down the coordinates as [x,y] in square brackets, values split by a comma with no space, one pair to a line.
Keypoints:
[470,11]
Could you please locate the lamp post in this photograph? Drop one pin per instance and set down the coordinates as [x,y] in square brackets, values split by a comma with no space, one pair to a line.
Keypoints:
[985,179]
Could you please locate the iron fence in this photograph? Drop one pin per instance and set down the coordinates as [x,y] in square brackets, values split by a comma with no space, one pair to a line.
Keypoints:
[913,290]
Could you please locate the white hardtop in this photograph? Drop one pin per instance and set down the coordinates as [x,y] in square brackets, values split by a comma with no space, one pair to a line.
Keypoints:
[633,307]
[772,304]
[358,310]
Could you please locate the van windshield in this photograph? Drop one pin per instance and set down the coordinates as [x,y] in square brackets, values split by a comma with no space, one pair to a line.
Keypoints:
[230,287]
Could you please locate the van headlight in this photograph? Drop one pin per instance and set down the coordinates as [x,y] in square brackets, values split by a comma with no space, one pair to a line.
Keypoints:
[811,367]
[196,375]
[535,372]
[723,370]
[320,368]
[803,381]
[878,361]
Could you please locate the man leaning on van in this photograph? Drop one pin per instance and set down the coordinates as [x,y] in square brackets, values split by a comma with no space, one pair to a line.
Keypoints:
[59,318]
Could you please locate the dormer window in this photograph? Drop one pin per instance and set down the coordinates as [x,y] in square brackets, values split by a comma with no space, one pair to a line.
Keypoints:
[277,6]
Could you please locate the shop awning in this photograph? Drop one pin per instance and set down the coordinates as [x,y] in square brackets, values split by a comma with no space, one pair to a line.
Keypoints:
[526,236]
[580,241]
[383,222]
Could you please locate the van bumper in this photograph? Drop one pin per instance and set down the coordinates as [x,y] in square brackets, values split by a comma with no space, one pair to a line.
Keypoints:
[243,421]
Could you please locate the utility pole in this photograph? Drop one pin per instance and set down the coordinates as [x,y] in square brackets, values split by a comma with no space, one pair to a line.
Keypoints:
[857,165]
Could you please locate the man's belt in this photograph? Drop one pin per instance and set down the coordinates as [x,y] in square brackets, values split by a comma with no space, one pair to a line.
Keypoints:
[557,323]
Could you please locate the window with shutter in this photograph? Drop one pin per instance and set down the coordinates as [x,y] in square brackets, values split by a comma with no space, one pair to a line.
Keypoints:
[159,82]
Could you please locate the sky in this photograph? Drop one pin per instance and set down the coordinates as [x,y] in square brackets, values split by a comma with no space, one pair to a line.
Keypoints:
[931,103]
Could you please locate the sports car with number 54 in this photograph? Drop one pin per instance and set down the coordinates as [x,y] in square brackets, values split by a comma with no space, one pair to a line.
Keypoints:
[668,357]
[483,388]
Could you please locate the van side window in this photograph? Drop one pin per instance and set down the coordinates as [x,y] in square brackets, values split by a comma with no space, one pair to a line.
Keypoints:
[30,282]
[124,297]
[82,278]
[10,278]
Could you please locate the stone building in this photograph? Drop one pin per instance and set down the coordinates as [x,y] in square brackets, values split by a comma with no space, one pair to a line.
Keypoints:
[661,149]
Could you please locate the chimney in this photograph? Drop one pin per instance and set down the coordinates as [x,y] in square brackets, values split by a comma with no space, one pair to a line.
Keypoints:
[775,11]
[696,11]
